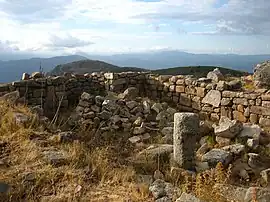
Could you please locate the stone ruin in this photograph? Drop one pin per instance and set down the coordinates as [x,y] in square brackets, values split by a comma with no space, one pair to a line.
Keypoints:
[185,111]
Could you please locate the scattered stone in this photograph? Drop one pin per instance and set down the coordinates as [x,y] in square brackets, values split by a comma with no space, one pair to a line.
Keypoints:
[55,158]
[215,75]
[131,93]
[185,197]
[25,76]
[257,193]
[231,192]
[228,128]
[157,107]
[135,139]
[249,130]
[36,75]
[157,188]
[138,130]
[262,75]
[215,156]
[266,175]
[253,143]
[235,149]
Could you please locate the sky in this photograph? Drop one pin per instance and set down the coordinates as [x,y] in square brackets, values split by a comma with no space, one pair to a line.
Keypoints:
[54,27]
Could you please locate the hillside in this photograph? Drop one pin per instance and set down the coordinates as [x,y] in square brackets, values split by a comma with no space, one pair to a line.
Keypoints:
[173,58]
[89,66]
[198,71]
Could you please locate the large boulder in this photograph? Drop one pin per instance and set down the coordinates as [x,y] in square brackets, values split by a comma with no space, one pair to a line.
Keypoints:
[262,74]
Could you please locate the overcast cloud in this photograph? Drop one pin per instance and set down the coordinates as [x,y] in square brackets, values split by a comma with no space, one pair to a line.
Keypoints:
[101,25]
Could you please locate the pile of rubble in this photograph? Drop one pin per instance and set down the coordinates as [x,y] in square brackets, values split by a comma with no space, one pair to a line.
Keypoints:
[126,112]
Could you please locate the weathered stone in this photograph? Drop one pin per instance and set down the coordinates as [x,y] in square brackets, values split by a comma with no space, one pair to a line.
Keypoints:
[235,149]
[200,92]
[213,97]
[229,94]
[249,130]
[55,158]
[222,141]
[138,130]
[217,155]
[228,128]
[239,116]
[196,103]
[186,131]
[99,100]
[185,197]
[235,85]
[258,162]
[264,122]
[253,118]
[260,110]
[253,143]
[265,174]
[221,86]
[105,115]
[215,75]
[257,193]
[185,100]
[231,192]
[262,74]
[25,76]
[36,75]
[131,93]
[135,139]
[266,97]
[225,101]
[131,104]
[157,107]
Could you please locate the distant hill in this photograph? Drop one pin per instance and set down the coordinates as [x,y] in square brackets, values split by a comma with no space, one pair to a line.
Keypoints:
[89,66]
[198,71]
[153,60]
[167,59]
[12,70]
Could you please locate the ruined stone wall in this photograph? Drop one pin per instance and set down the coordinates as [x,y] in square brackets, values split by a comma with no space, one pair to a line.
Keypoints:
[51,91]
[210,100]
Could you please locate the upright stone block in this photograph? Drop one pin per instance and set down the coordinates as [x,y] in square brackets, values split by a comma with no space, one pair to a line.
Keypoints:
[186,131]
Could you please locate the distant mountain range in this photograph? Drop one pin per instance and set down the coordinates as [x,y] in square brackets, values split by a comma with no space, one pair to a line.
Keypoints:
[13,69]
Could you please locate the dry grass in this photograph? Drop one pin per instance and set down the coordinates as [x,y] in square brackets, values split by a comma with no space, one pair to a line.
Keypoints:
[90,172]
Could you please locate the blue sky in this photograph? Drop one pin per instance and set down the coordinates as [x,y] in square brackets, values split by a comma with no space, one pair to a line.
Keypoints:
[53,27]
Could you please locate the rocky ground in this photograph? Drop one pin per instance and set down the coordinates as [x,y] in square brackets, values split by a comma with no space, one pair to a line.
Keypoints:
[121,148]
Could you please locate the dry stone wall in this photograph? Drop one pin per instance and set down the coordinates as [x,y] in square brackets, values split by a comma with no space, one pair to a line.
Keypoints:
[210,99]
[51,92]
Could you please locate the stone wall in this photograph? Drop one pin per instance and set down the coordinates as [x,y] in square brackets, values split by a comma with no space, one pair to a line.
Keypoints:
[51,91]
[209,99]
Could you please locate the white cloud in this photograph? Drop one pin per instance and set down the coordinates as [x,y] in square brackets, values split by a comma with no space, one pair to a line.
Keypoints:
[39,25]
[67,41]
